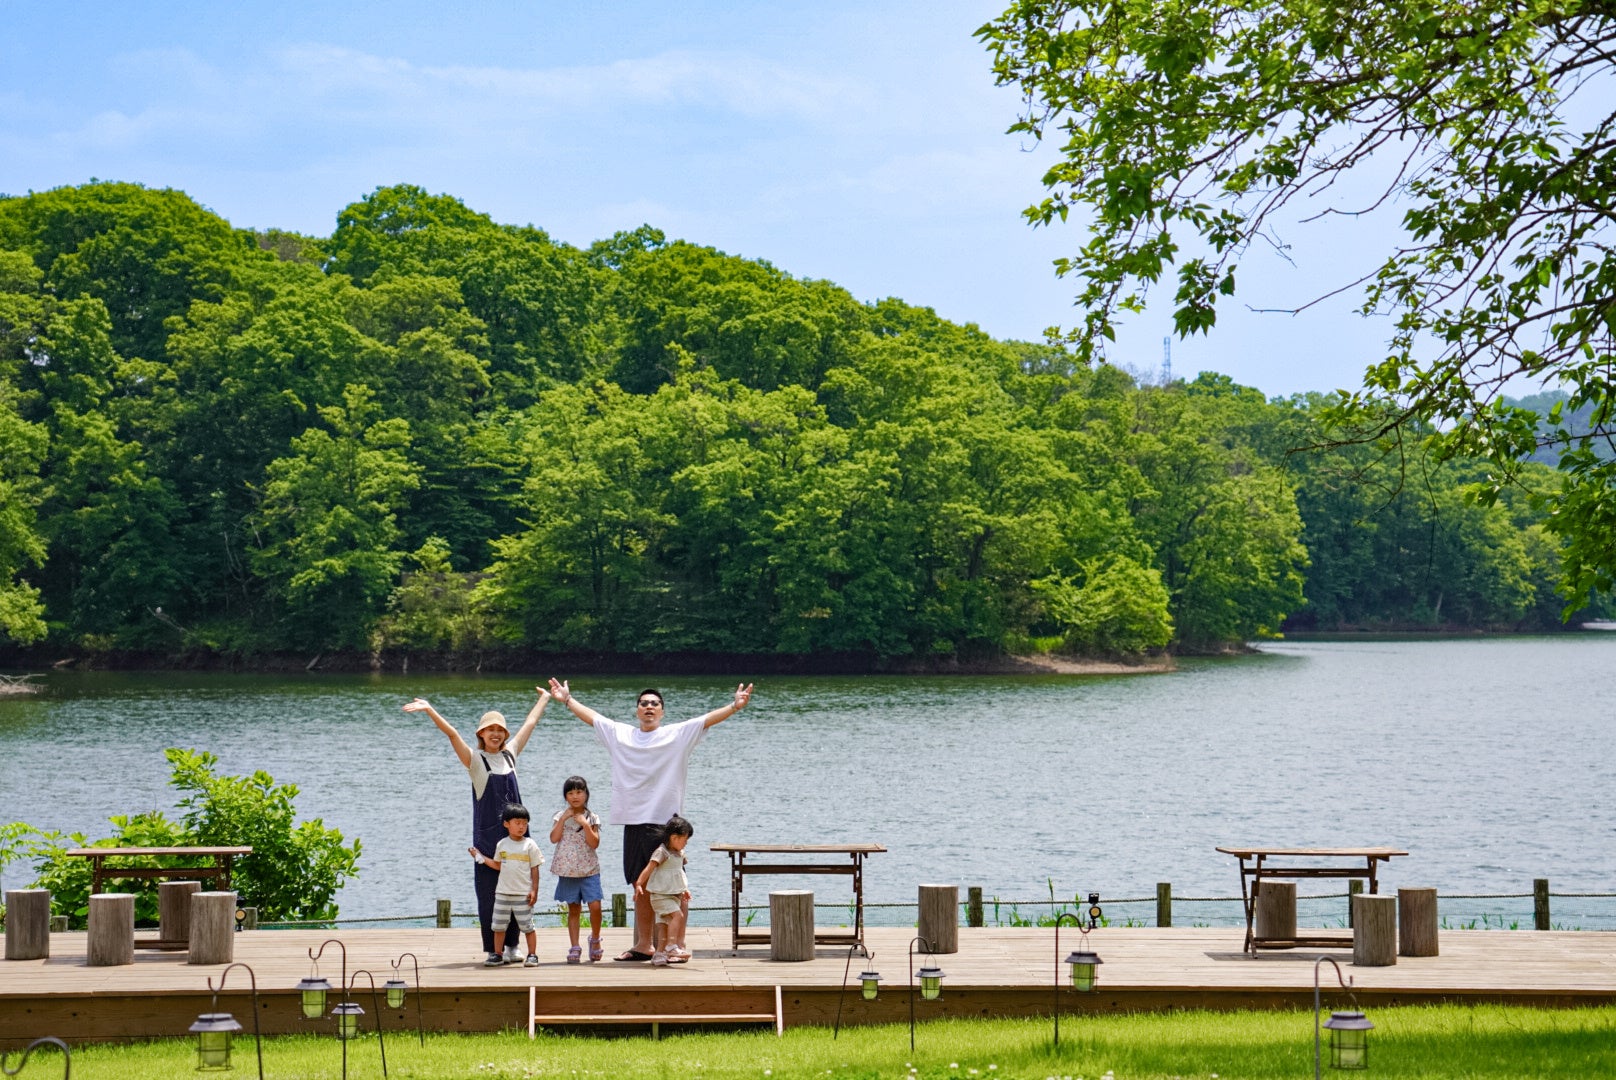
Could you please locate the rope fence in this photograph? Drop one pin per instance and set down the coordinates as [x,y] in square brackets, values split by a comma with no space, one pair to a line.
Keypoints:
[974,909]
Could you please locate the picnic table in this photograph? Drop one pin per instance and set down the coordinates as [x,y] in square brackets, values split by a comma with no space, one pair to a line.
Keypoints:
[821,860]
[217,869]
[1311,862]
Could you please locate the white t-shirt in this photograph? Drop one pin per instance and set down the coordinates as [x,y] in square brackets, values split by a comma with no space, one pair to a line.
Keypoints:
[648,768]
[517,860]
[485,763]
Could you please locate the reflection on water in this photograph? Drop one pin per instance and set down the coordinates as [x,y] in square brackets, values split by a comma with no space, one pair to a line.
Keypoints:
[1489,760]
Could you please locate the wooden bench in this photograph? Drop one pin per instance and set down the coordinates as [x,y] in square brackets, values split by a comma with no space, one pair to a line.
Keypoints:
[821,861]
[535,1019]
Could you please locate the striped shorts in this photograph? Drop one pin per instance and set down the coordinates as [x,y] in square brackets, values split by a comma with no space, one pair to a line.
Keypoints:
[509,904]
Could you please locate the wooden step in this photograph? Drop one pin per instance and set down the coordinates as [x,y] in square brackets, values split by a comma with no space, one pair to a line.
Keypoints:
[536,1019]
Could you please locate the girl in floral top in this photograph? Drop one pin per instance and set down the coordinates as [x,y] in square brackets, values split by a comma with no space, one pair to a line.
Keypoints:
[576,835]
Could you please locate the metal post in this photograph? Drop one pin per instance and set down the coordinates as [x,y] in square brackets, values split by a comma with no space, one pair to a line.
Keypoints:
[1164,903]
[1540,903]
[973,906]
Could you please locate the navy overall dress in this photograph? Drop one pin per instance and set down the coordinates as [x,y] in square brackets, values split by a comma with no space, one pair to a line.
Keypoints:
[487,830]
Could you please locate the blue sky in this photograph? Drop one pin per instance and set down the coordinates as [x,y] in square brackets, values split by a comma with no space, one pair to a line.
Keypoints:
[858,142]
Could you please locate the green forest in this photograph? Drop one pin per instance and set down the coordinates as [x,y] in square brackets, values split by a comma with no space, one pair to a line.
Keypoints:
[432,433]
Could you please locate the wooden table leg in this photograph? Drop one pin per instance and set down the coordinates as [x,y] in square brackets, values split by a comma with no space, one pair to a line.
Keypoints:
[735,877]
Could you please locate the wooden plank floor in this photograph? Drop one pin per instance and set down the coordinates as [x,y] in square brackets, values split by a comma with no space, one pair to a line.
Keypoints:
[997,971]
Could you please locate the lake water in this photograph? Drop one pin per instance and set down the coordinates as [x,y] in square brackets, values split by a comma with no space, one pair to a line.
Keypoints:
[1491,761]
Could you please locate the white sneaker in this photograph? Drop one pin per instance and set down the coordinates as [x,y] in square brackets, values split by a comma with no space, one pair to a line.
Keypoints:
[513,955]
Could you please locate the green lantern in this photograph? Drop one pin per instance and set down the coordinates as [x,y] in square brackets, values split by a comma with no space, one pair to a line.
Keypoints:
[1084,973]
[1349,1040]
[213,1032]
[311,992]
[348,1014]
[397,990]
[870,984]
[931,982]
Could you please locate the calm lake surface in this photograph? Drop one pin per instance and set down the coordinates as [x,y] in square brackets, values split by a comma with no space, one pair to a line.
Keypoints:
[1491,761]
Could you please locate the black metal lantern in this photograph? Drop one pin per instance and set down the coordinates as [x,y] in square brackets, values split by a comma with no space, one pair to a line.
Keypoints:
[931,982]
[1349,1040]
[213,1035]
[311,993]
[870,984]
[1083,965]
[348,1014]
[396,990]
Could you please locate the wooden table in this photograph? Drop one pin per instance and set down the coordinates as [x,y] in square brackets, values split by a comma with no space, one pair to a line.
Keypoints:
[821,861]
[217,870]
[1305,863]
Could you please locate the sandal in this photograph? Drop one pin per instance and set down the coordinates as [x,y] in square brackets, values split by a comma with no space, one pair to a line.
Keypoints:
[573,954]
[659,960]
[596,953]
[633,957]
[678,954]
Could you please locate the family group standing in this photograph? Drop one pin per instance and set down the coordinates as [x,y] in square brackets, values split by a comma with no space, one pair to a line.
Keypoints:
[649,764]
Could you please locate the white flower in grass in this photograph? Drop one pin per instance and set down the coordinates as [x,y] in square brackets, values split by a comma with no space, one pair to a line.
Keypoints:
[992,1067]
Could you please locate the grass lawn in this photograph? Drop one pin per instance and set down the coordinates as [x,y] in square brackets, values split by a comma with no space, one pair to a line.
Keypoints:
[1437,1041]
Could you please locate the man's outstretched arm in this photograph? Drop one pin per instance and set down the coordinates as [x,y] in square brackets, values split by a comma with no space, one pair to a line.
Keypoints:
[743,694]
[563,694]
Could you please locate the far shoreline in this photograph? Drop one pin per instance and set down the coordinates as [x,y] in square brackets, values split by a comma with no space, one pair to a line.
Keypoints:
[524,662]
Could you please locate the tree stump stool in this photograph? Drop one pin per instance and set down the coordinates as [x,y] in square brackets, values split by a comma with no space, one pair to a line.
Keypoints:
[939,917]
[1275,910]
[213,922]
[112,930]
[791,925]
[27,924]
[174,913]
[1374,931]
[1416,922]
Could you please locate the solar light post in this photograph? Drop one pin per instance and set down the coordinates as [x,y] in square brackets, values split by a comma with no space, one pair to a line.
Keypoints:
[348,1014]
[214,1030]
[1349,1031]
[1082,962]
[397,991]
[48,1040]
[869,982]
[931,982]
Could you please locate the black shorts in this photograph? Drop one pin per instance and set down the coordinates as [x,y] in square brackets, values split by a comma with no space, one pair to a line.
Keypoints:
[639,844]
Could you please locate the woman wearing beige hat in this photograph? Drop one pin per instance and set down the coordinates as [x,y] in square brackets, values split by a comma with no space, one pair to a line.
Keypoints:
[492,765]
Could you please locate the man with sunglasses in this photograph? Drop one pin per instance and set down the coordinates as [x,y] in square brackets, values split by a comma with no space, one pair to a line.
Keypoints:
[649,765]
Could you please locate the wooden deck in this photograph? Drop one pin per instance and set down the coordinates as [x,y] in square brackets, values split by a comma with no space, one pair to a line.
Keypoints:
[1003,971]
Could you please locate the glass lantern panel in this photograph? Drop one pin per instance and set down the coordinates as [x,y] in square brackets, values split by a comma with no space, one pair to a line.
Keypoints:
[313,1004]
[395,995]
[871,988]
[1083,977]
[1349,1049]
[931,988]
[213,1050]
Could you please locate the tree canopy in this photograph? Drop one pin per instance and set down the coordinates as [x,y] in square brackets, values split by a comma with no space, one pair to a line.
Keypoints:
[1189,132]
[432,432]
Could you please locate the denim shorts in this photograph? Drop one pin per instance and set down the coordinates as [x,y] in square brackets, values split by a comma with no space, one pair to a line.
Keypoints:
[579,890]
